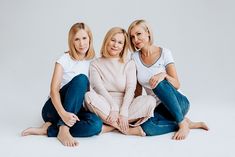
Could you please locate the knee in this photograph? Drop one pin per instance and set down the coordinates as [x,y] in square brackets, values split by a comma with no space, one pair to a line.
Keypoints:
[88,104]
[150,101]
[87,97]
[161,85]
[81,79]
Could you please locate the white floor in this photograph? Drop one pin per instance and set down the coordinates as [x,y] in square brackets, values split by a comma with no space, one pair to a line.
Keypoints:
[219,141]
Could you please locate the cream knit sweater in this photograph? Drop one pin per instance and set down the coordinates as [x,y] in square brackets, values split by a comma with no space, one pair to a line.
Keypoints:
[111,78]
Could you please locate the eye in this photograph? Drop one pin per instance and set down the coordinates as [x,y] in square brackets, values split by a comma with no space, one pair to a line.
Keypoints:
[120,42]
[84,38]
[76,39]
[138,34]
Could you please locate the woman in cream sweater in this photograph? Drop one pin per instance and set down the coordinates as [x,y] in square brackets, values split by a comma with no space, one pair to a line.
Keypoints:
[113,82]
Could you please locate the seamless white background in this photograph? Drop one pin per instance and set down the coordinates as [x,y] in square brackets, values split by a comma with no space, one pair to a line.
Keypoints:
[200,34]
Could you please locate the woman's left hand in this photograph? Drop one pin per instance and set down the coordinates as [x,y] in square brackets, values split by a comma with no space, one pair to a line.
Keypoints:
[123,124]
[156,78]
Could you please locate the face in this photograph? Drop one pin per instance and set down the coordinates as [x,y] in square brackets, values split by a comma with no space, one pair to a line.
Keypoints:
[139,37]
[116,44]
[81,42]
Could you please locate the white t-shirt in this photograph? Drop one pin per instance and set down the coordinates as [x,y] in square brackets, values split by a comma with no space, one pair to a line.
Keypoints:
[72,68]
[145,72]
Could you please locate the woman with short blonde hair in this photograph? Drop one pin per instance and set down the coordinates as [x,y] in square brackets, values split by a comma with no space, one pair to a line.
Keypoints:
[156,72]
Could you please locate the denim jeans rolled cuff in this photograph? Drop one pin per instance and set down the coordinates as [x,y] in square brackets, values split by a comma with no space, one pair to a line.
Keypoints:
[154,127]
[61,122]
[175,102]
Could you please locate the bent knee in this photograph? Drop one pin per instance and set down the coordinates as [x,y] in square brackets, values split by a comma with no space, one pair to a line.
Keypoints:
[150,101]
[81,78]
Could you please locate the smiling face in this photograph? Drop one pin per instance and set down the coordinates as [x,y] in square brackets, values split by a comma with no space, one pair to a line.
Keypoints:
[139,36]
[116,44]
[81,42]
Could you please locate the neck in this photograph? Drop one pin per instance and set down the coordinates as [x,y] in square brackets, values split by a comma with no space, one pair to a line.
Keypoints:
[147,51]
[81,56]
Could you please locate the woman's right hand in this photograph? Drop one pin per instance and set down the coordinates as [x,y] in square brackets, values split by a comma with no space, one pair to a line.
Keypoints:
[69,118]
[156,79]
[112,117]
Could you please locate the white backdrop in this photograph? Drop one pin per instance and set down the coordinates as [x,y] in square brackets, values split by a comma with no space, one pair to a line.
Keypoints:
[33,33]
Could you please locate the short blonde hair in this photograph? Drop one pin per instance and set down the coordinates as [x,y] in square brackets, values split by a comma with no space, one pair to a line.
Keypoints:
[146,27]
[72,50]
[113,31]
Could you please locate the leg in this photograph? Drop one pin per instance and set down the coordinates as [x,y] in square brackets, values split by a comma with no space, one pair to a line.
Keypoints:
[89,125]
[36,131]
[65,137]
[49,115]
[138,131]
[98,105]
[72,96]
[197,125]
[107,128]
[177,105]
[141,108]
[158,125]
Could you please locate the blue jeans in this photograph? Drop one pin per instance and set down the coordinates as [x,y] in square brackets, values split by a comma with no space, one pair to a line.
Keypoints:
[174,106]
[72,96]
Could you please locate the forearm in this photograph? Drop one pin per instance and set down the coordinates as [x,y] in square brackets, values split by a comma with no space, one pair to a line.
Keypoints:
[128,98]
[173,81]
[56,101]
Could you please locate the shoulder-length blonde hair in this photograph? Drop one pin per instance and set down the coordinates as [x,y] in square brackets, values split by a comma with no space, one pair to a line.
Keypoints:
[72,50]
[145,26]
[107,39]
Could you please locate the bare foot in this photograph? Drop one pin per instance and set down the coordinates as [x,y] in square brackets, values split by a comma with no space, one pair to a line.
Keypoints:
[107,128]
[65,137]
[36,131]
[183,131]
[197,125]
[138,131]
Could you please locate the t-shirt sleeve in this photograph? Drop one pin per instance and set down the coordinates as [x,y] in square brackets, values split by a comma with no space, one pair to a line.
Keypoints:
[168,58]
[63,60]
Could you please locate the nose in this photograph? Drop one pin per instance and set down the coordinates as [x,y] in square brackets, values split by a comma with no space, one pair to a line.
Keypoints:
[134,39]
[81,43]
[115,44]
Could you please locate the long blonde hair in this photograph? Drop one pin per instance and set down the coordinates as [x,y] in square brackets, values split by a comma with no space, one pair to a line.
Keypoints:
[72,50]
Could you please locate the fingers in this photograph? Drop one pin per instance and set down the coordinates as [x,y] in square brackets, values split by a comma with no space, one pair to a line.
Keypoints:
[153,82]
[123,124]
[112,117]
[76,117]
[72,120]
[124,127]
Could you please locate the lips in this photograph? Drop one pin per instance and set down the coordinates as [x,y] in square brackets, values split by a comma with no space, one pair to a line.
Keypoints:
[82,48]
[137,44]
[114,49]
